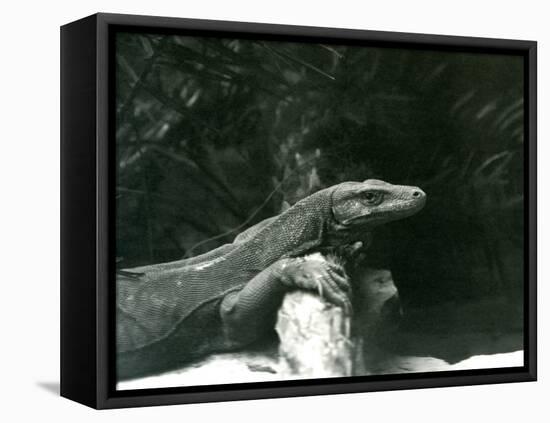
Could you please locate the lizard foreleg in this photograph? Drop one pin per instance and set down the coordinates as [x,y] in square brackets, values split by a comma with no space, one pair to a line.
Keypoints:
[249,313]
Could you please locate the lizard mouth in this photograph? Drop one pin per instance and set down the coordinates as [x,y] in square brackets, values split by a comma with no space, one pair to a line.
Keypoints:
[396,213]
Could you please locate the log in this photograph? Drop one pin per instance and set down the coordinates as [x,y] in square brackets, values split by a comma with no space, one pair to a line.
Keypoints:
[314,338]
[317,340]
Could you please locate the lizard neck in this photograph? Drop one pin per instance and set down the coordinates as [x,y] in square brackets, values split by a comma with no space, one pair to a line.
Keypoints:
[297,230]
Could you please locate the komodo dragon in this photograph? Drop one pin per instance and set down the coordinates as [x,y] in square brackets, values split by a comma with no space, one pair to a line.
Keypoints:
[171,313]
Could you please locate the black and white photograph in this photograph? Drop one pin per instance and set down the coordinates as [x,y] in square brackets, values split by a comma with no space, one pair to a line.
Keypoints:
[298,209]
[280,211]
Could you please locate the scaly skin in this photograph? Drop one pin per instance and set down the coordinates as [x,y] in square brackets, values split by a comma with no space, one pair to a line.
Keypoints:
[227,298]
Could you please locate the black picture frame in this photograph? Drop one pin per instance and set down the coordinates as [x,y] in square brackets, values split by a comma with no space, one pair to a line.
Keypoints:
[87,322]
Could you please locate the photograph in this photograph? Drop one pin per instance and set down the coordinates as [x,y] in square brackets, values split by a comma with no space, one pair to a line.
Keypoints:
[299,209]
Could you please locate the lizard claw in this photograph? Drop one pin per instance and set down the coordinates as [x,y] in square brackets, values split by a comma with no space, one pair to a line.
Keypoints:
[324,277]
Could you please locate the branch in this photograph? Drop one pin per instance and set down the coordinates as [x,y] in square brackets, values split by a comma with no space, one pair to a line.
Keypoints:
[315,338]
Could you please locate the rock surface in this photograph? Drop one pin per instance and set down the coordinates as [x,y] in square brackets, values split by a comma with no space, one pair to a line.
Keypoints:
[314,338]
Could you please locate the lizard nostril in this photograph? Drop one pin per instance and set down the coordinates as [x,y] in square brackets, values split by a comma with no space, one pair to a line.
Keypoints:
[416,194]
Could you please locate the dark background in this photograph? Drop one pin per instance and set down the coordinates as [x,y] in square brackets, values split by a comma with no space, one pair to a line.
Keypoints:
[213,135]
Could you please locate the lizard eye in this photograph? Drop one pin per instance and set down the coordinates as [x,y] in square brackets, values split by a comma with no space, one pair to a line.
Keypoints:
[373,198]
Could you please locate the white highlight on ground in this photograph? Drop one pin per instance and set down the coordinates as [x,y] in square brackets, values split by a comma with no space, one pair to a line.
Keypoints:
[240,368]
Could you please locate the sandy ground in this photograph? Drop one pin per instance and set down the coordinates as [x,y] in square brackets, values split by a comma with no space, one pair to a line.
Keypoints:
[244,367]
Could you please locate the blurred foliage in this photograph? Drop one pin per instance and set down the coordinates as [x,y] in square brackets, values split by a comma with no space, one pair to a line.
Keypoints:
[214,134]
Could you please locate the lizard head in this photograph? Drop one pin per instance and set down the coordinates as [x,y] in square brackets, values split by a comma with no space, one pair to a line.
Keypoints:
[357,207]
